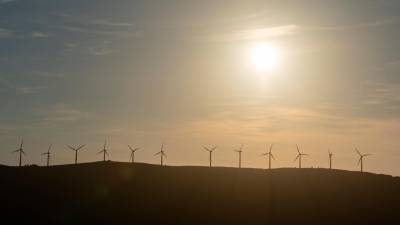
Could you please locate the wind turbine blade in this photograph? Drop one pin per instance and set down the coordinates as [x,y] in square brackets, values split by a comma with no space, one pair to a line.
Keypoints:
[205,148]
[23,152]
[359,161]
[215,147]
[272,156]
[157,153]
[48,150]
[130,147]
[296,158]
[367,155]
[270,147]
[358,152]
[22,143]
[80,147]
[16,150]
[136,149]
[298,149]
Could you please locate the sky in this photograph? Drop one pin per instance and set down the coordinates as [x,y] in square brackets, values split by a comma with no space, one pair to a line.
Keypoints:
[179,72]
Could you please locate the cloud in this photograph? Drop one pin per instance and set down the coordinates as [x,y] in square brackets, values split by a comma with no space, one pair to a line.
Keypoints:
[101,49]
[40,35]
[384,94]
[26,90]
[20,89]
[251,34]
[106,22]
[354,26]
[105,32]
[97,26]
[253,118]
[88,20]
[48,74]
[61,113]
[4,33]
[284,30]
[6,83]
[6,1]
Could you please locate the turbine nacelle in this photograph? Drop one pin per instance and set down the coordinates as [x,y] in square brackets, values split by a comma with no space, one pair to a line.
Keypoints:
[269,153]
[210,149]
[240,150]
[75,149]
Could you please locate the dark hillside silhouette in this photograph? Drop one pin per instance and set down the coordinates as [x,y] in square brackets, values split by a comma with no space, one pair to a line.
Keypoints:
[126,193]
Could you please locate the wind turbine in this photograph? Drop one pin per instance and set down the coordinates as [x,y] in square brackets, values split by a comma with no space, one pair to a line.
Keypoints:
[360,161]
[299,156]
[330,159]
[210,151]
[20,151]
[162,154]
[133,150]
[104,150]
[48,156]
[76,151]
[240,155]
[270,155]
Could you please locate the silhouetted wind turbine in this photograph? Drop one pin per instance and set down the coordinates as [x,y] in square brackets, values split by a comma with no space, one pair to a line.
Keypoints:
[330,159]
[240,155]
[133,150]
[48,156]
[299,156]
[210,151]
[76,151]
[270,155]
[104,150]
[162,154]
[360,161]
[20,151]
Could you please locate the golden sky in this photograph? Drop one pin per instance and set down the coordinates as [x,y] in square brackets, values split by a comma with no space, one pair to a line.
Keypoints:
[194,73]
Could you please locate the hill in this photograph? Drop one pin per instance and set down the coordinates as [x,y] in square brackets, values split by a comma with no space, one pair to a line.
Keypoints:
[123,193]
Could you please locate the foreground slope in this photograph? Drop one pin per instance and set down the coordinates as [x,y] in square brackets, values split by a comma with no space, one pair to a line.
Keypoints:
[123,193]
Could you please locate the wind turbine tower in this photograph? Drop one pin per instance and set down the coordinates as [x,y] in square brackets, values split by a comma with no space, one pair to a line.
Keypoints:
[299,156]
[162,154]
[210,151]
[104,150]
[133,150]
[330,159]
[361,160]
[239,151]
[76,151]
[270,155]
[20,151]
[48,153]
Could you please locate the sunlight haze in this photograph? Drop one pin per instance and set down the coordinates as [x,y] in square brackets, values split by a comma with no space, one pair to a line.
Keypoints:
[320,74]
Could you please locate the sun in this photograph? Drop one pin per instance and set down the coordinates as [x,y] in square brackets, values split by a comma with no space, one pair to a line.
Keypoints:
[264,57]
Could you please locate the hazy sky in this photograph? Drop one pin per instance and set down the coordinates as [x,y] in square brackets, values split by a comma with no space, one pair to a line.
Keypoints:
[180,72]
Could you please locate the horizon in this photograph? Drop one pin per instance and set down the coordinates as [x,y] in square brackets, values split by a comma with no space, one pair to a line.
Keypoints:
[202,73]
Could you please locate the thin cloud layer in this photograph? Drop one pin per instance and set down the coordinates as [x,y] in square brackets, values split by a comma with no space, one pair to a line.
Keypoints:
[252,34]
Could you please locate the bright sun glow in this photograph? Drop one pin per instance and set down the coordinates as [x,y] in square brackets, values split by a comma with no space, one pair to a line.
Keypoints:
[264,57]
